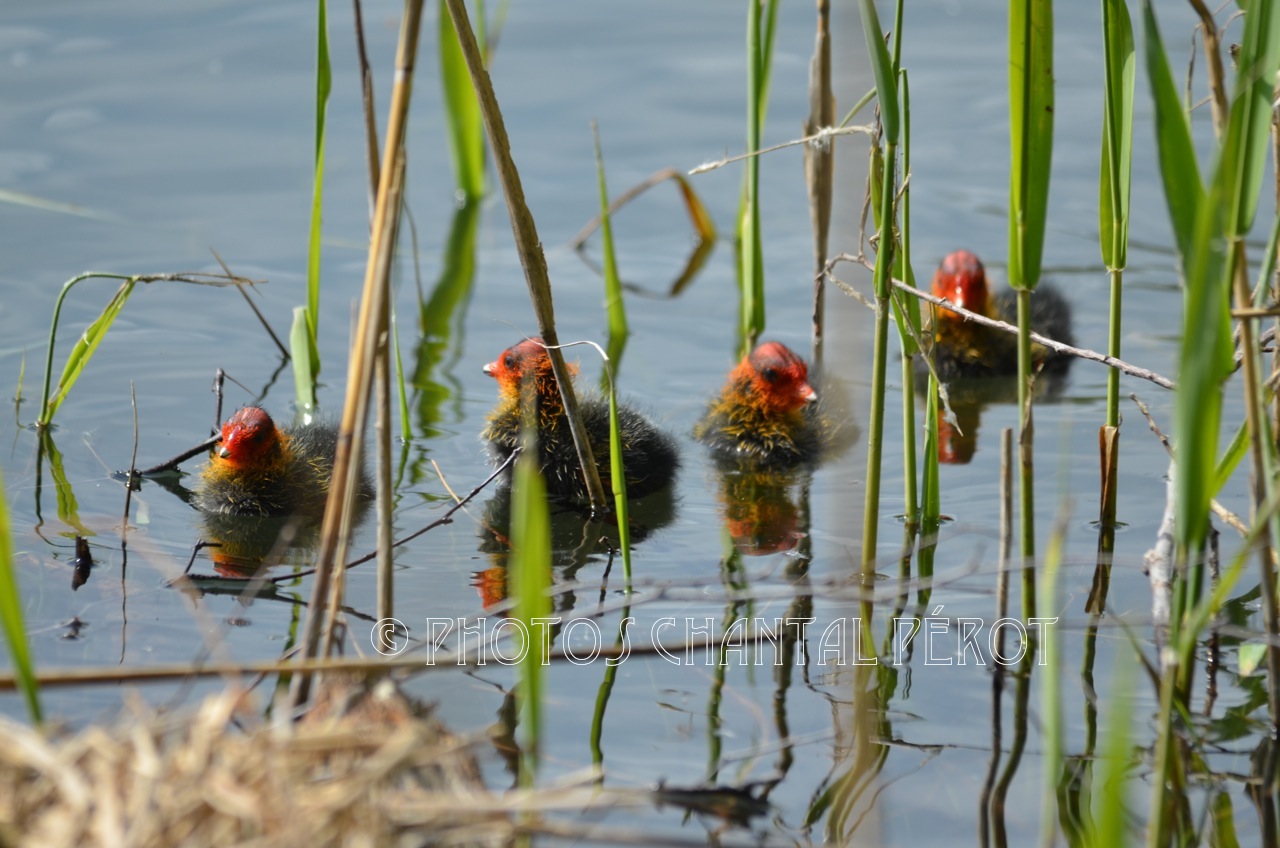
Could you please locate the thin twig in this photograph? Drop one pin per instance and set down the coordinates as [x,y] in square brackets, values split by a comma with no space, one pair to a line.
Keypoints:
[1228,517]
[1059,347]
[821,137]
[172,464]
[133,470]
[284,351]
[447,518]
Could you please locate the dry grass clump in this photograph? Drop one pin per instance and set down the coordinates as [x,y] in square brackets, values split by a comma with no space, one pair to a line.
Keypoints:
[363,768]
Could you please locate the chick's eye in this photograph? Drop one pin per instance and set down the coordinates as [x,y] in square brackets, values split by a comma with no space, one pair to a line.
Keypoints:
[509,361]
[770,375]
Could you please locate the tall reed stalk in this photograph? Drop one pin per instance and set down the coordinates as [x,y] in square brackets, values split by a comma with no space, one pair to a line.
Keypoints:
[887,95]
[1031,147]
[1113,219]
[324,83]
[1210,227]
[532,259]
[760,29]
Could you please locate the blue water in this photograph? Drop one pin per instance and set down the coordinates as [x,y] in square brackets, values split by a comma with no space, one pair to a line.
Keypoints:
[162,132]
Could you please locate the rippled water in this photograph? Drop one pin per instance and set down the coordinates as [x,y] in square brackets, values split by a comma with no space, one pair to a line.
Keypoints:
[158,132]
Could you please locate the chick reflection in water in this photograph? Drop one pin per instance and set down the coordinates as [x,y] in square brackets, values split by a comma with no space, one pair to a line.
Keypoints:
[577,540]
[766,432]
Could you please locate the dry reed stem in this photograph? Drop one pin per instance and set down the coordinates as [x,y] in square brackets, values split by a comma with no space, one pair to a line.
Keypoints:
[325,598]
[528,246]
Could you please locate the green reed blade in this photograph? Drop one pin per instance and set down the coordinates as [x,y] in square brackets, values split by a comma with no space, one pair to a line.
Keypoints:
[530,579]
[462,109]
[1203,363]
[85,347]
[15,630]
[1230,459]
[882,67]
[614,304]
[619,480]
[304,379]
[68,506]
[760,31]
[402,379]
[1117,133]
[324,82]
[1051,732]
[1031,135]
[1179,170]
[1246,149]
[1117,758]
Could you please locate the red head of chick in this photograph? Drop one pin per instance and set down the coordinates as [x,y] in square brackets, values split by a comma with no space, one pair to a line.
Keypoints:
[765,414]
[527,386]
[964,348]
[261,469]
[961,280]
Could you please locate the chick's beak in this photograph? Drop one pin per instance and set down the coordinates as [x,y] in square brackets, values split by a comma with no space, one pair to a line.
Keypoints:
[223,452]
[807,394]
[490,367]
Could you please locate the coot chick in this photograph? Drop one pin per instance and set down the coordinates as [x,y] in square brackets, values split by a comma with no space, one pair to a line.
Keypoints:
[765,415]
[964,348]
[649,457]
[264,470]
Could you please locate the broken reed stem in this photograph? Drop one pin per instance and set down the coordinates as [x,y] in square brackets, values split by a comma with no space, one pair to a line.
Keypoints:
[529,247]
[342,490]
[819,165]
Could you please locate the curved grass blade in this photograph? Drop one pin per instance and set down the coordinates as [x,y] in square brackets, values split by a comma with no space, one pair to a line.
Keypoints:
[85,347]
[68,506]
[15,631]
[882,67]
